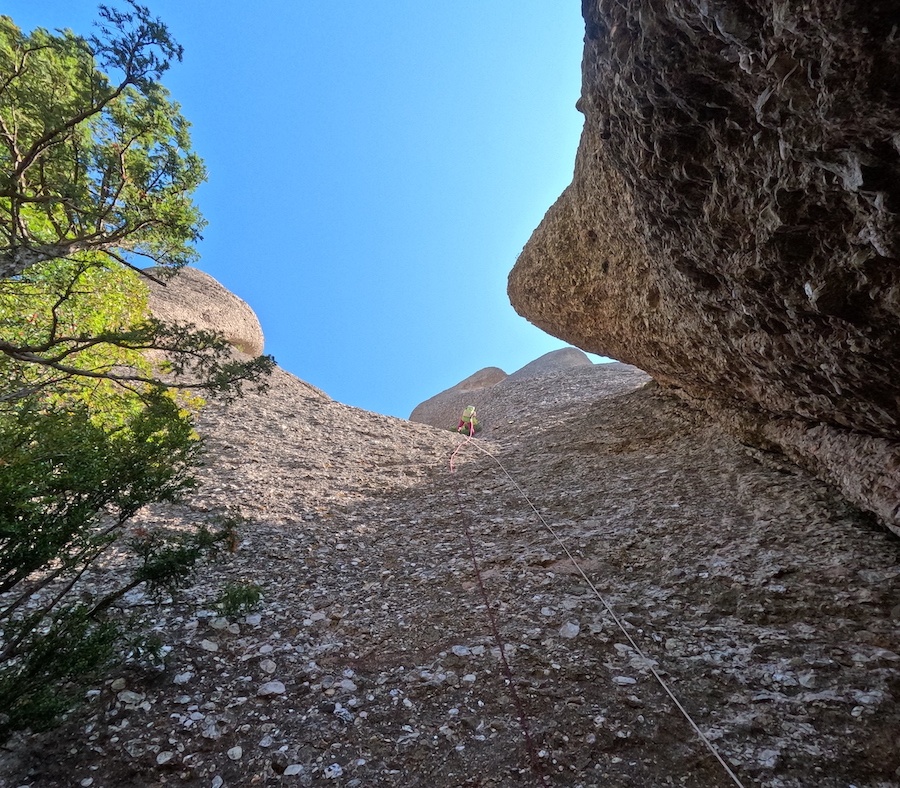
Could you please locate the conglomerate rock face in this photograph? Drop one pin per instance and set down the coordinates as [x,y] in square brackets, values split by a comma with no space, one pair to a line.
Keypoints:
[392,582]
[732,225]
[192,296]
[444,409]
[554,361]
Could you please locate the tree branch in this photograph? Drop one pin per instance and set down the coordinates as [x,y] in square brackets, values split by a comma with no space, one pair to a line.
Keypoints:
[133,267]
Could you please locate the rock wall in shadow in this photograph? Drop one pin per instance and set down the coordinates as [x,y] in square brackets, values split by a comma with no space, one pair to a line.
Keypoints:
[732,224]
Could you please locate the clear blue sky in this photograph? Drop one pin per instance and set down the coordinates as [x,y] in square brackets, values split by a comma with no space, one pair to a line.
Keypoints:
[374,170]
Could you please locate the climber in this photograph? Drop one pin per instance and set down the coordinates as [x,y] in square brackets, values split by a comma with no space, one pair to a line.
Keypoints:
[468,421]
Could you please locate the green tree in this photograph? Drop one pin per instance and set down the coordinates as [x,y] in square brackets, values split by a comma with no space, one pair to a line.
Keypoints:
[96,173]
[93,162]
[75,326]
[69,488]
[96,176]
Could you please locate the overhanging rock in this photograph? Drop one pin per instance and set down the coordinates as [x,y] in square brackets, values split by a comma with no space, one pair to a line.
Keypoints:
[732,223]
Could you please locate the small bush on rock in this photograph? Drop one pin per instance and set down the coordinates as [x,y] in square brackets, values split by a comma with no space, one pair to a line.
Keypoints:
[68,491]
[239,598]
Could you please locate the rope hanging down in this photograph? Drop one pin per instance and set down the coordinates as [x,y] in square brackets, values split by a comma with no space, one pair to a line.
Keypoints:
[495,631]
[637,649]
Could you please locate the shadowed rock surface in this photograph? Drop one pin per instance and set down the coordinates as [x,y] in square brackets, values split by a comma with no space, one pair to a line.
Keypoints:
[732,223]
[769,605]
[193,296]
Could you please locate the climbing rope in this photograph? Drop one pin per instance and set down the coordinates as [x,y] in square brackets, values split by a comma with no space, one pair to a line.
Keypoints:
[533,758]
[647,662]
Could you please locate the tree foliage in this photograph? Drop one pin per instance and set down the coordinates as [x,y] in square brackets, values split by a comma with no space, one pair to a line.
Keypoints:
[70,315]
[69,487]
[77,327]
[96,175]
[94,156]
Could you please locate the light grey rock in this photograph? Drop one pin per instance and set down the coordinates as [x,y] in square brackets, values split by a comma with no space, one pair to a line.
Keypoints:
[633,481]
[569,630]
[271,688]
[130,697]
[677,249]
[555,361]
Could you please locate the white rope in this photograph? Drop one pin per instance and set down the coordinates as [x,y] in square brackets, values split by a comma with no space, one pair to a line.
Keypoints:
[648,663]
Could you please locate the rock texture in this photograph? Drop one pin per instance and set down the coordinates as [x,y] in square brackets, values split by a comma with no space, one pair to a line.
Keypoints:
[193,296]
[443,410]
[768,605]
[732,225]
[554,361]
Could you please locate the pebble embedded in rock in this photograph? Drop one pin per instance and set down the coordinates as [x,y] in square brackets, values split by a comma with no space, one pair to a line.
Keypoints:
[768,758]
[236,753]
[271,688]
[127,696]
[209,645]
[569,630]
[332,771]
[267,666]
[869,698]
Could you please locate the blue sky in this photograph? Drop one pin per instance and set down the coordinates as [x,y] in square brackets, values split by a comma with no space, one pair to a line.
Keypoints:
[374,170]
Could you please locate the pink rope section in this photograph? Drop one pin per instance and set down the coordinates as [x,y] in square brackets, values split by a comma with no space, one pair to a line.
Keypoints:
[456,451]
[536,766]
